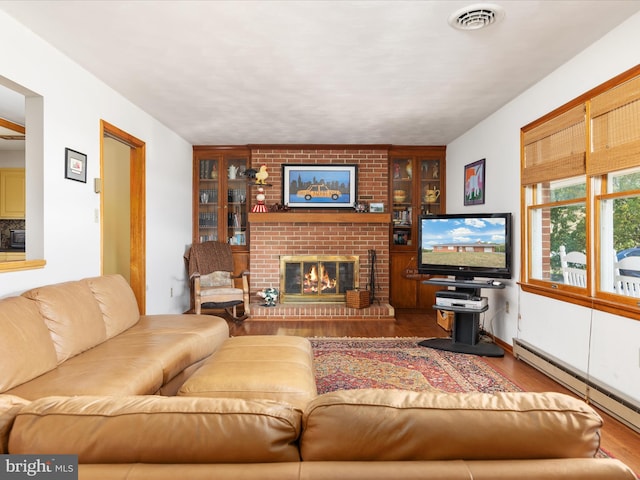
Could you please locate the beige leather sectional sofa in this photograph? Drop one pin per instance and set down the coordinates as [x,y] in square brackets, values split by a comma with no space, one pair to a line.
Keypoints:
[87,337]
[104,390]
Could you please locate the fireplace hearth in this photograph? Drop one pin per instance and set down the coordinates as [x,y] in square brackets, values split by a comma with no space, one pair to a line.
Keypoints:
[318,278]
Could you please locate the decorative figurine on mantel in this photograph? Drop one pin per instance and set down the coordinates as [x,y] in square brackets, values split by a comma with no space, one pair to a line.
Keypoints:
[259,207]
[261,176]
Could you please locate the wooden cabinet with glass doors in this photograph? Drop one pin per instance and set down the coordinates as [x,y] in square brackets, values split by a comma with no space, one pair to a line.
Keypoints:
[417,187]
[220,198]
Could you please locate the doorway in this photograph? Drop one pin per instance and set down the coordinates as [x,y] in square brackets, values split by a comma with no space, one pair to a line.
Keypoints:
[122,208]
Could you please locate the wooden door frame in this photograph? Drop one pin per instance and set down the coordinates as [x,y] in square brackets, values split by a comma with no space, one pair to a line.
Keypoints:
[137,240]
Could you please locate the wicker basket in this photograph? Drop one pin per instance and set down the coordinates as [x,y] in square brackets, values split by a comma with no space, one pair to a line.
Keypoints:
[445,319]
[357,298]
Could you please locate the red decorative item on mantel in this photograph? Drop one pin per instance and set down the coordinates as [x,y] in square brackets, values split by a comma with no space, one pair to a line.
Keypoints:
[260,207]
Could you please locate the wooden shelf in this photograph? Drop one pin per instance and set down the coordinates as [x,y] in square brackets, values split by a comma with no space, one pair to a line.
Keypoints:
[297,217]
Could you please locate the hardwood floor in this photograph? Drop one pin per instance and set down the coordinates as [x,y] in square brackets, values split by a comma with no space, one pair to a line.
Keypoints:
[618,440]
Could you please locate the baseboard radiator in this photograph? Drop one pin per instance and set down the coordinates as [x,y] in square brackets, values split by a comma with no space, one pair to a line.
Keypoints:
[604,397]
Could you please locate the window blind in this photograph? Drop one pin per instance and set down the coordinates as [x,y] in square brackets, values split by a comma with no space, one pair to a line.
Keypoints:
[615,129]
[556,148]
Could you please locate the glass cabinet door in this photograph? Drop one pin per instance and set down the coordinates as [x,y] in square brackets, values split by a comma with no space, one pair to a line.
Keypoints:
[221,206]
[402,200]
[430,185]
[236,200]
[417,183]
[208,199]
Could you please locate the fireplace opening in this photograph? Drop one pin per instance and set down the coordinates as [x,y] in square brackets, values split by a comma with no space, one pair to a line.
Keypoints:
[317,278]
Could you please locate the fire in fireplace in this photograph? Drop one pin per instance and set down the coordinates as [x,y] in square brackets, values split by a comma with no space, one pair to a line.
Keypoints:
[317,278]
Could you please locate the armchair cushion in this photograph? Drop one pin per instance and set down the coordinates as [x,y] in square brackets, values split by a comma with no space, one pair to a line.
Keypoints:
[216,279]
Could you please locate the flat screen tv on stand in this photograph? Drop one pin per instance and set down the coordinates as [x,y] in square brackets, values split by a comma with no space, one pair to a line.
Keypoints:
[467,247]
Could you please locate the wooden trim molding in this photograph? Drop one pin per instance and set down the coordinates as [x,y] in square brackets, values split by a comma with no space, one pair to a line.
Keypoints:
[296,217]
[603,305]
[18,265]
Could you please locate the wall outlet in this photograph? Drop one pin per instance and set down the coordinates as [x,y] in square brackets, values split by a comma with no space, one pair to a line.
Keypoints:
[171,292]
[506,307]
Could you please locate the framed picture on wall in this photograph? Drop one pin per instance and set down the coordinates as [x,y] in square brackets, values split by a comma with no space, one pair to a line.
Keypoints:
[75,165]
[319,186]
[474,186]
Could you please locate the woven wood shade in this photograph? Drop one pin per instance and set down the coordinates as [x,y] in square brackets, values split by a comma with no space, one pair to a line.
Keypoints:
[615,129]
[556,148]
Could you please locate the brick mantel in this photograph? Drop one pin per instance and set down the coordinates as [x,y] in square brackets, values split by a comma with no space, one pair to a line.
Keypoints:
[293,217]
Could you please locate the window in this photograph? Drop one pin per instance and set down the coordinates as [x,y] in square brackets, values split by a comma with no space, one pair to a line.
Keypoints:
[558,226]
[581,195]
[619,236]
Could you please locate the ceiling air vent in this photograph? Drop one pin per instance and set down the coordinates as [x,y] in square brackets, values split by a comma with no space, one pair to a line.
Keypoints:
[475,17]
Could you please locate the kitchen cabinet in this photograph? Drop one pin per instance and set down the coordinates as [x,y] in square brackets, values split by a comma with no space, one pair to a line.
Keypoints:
[417,187]
[12,193]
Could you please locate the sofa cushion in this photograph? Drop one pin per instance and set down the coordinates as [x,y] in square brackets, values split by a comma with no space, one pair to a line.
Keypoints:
[274,367]
[188,339]
[26,349]
[401,425]
[116,301]
[10,405]
[72,315]
[140,360]
[153,429]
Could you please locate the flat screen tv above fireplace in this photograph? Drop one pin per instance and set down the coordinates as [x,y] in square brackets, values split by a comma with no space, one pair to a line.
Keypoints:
[465,245]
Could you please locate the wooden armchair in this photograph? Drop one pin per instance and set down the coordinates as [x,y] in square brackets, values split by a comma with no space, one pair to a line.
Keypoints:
[574,267]
[626,281]
[213,283]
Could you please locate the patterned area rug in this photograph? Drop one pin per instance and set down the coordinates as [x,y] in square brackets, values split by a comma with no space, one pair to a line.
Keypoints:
[351,363]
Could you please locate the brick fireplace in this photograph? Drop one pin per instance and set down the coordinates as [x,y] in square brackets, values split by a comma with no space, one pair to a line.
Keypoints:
[321,232]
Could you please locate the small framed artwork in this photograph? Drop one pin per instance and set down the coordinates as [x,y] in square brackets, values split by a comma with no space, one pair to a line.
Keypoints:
[474,187]
[319,186]
[75,165]
[376,207]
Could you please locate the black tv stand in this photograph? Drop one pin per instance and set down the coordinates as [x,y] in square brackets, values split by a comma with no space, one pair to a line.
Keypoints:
[465,333]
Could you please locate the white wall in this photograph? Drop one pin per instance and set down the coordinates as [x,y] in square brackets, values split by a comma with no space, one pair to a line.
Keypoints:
[74,102]
[605,345]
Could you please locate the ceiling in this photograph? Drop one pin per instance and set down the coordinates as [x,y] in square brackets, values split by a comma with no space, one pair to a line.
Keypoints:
[324,72]
[12,109]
